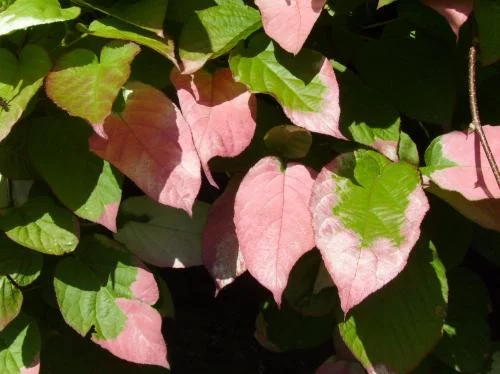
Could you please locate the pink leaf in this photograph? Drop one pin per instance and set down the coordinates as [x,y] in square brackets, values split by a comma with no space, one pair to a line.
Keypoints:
[221,251]
[327,120]
[141,340]
[359,271]
[220,112]
[150,142]
[456,12]
[272,220]
[289,22]
[461,165]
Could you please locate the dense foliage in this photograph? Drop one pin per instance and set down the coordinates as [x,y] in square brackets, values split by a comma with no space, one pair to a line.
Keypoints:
[325,147]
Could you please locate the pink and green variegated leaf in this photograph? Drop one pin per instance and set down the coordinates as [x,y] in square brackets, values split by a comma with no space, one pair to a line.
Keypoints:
[221,252]
[150,142]
[304,85]
[20,347]
[162,235]
[289,22]
[367,213]
[86,86]
[58,146]
[220,112]
[456,12]
[272,220]
[102,287]
[20,79]
[457,162]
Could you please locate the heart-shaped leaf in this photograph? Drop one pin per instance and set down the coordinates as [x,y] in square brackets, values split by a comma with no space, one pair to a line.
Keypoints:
[86,86]
[221,252]
[20,347]
[162,235]
[104,287]
[151,143]
[272,220]
[289,22]
[21,14]
[42,225]
[457,162]
[59,146]
[20,79]
[304,85]
[220,112]
[212,32]
[367,213]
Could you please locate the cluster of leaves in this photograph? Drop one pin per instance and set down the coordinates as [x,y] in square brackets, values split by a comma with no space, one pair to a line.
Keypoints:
[299,113]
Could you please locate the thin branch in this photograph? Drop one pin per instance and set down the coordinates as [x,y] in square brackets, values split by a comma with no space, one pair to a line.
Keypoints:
[476,122]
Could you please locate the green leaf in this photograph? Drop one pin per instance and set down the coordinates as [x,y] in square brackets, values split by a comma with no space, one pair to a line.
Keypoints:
[87,284]
[86,86]
[20,264]
[285,329]
[20,346]
[14,158]
[214,31]
[22,14]
[42,225]
[20,79]
[162,235]
[147,14]
[487,15]
[288,141]
[181,11]
[59,146]
[105,288]
[466,343]
[149,67]
[115,29]
[383,3]
[410,309]
[366,116]
[415,73]
[11,299]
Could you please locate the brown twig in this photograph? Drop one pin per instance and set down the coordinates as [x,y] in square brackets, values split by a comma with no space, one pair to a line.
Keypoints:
[476,122]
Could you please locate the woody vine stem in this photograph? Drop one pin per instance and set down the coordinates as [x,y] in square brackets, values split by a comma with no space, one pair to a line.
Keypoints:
[476,122]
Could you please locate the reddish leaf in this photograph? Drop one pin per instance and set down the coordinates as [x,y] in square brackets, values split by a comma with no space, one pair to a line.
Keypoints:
[150,142]
[360,266]
[221,251]
[220,112]
[456,12]
[289,22]
[272,220]
[141,340]
[458,163]
[331,366]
